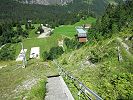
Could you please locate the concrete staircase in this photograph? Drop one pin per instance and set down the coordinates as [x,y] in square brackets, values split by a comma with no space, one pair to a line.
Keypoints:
[57,89]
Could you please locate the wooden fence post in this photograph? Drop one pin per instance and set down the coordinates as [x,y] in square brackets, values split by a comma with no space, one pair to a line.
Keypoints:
[80,90]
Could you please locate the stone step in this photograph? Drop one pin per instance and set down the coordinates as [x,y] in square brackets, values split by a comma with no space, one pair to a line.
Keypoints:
[57,89]
[56,97]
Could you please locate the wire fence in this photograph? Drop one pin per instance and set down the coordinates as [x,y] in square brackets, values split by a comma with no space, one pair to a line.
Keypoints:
[82,89]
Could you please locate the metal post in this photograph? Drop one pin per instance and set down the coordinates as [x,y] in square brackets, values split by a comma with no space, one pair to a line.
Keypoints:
[79,93]
[119,54]
[24,57]
[66,75]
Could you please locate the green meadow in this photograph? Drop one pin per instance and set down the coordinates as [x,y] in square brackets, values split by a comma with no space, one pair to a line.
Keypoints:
[46,43]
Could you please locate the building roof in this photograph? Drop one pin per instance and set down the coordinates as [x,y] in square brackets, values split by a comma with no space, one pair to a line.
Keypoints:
[82,35]
[81,31]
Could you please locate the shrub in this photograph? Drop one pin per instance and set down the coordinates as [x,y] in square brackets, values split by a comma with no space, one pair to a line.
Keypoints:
[40,29]
[54,53]
[7,52]
[45,55]
[64,62]
[72,44]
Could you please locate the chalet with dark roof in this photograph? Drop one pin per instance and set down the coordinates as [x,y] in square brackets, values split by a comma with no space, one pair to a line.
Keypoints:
[81,35]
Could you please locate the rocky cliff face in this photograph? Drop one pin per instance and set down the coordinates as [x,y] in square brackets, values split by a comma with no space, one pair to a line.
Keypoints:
[45,2]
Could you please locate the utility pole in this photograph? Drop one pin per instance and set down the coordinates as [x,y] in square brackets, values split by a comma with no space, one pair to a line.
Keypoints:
[24,57]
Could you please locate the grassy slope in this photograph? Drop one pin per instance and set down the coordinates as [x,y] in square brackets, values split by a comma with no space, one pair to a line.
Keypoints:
[98,77]
[69,30]
[13,76]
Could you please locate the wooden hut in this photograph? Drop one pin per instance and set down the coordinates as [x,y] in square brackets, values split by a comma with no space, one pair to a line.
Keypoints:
[81,35]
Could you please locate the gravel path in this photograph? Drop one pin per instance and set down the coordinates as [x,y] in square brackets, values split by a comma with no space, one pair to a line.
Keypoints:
[46,33]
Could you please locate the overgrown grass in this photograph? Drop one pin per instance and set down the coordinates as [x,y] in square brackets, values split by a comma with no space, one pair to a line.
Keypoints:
[15,81]
[38,92]
[100,75]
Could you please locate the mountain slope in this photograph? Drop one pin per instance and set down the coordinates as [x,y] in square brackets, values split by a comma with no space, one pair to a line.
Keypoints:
[95,6]
[45,2]
[97,66]
[60,2]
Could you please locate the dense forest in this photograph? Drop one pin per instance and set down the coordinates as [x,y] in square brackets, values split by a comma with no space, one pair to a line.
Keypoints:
[9,35]
[51,14]
[115,19]
[14,14]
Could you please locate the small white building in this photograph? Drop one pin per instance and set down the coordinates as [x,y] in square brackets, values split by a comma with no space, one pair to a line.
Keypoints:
[35,52]
[60,43]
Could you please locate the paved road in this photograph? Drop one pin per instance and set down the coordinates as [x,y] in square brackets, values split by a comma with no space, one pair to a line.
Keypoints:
[57,89]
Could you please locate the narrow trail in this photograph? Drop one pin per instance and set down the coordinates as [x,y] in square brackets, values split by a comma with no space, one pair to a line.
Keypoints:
[46,32]
[124,45]
[57,89]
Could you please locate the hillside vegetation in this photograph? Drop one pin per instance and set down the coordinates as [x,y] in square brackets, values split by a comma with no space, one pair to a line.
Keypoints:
[17,83]
[45,2]
[105,63]
[97,66]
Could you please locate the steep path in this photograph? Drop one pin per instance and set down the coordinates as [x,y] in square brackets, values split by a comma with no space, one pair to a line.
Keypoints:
[124,45]
[57,89]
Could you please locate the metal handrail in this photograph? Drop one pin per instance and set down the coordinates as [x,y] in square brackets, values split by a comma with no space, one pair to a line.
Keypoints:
[83,88]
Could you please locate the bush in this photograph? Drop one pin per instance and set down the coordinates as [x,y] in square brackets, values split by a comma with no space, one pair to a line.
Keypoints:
[16,39]
[32,27]
[54,53]
[64,62]
[45,55]
[7,52]
[72,44]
